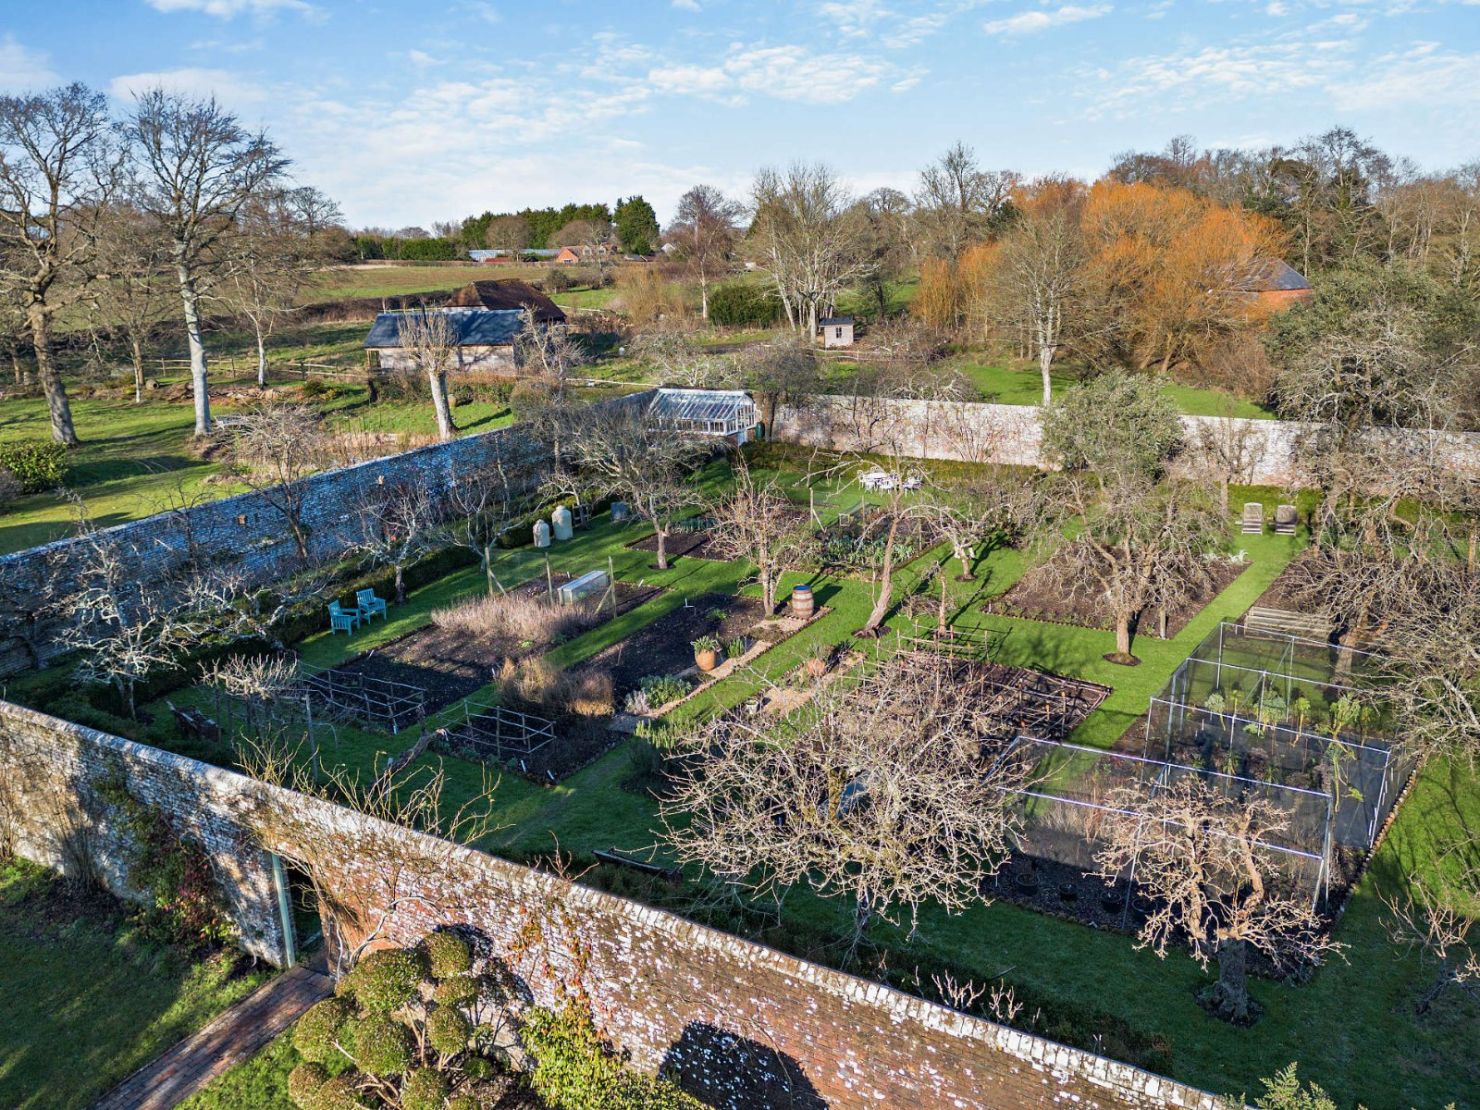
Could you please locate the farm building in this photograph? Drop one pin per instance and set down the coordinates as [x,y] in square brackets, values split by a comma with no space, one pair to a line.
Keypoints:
[496,257]
[836,331]
[510,294]
[1275,285]
[485,339]
[709,412]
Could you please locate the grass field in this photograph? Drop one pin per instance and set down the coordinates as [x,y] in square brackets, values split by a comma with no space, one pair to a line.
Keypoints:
[138,459]
[87,1001]
[1351,1027]
[393,280]
[1022,385]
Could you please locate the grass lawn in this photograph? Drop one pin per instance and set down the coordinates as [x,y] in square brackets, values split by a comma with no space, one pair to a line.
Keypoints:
[1009,385]
[260,1083]
[86,1000]
[137,459]
[389,279]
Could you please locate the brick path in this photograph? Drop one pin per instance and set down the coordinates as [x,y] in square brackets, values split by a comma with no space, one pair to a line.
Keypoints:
[228,1040]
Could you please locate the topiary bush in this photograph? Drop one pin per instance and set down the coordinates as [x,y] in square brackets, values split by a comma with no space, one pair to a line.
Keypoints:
[448,1031]
[305,1082]
[424,1089]
[447,954]
[382,1046]
[315,1032]
[388,979]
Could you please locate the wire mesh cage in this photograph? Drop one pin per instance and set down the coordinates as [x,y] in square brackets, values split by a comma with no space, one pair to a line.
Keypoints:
[1291,712]
[1071,794]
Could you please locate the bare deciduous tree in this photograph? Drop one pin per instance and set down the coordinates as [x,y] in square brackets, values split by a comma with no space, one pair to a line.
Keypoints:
[876,795]
[429,337]
[704,228]
[1444,934]
[197,168]
[59,169]
[397,526]
[276,447]
[759,523]
[646,463]
[132,295]
[807,236]
[958,202]
[270,257]
[1203,857]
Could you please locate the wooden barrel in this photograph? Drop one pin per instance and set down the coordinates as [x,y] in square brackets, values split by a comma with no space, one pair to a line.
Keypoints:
[801,601]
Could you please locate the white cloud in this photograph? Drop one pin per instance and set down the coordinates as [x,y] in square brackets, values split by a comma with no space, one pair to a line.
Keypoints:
[784,72]
[230,9]
[878,22]
[1424,75]
[230,89]
[22,69]
[1031,22]
[686,5]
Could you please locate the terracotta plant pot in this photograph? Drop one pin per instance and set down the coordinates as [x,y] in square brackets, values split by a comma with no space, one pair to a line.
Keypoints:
[706,661]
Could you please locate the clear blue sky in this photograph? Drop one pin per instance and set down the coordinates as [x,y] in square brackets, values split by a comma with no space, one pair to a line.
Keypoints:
[407,111]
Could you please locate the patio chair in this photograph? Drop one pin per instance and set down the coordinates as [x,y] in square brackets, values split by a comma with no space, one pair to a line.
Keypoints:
[1253,519]
[343,619]
[369,604]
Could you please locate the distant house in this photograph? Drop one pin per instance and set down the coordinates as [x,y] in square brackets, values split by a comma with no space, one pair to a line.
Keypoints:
[508,294]
[836,331]
[485,339]
[1275,285]
[565,256]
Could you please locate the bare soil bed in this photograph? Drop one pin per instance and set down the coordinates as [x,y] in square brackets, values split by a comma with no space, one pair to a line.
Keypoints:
[1036,597]
[664,647]
[854,543]
[451,664]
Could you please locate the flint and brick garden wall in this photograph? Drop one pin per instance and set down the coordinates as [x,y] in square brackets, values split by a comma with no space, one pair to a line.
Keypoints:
[741,1025]
[1011,434]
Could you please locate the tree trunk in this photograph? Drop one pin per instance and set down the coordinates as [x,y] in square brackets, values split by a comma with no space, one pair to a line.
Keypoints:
[261,361]
[445,426]
[400,584]
[1045,365]
[136,349]
[886,581]
[199,382]
[1123,634]
[662,548]
[57,405]
[703,296]
[1229,998]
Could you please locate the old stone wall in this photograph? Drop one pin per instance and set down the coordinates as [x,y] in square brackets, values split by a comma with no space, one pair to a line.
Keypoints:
[1265,450]
[251,537]
[742,1025]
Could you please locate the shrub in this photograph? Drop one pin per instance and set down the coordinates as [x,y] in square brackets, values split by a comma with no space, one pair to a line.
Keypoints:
[742,304]
[36,464]
[386,980]
[575,1069]
[585,693]
[382,1046]
[448,1031]
[655,691]
[519,616]
[315,1032]
[424,1089]
[314,388]
[340,1093]
[447,955]
[556,280]
[305,1082]
[459,990]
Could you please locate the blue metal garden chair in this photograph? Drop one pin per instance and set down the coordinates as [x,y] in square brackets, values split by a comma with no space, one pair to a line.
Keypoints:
[341,619]
[370,605]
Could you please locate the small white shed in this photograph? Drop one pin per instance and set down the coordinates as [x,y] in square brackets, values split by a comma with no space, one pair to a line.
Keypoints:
[836,331]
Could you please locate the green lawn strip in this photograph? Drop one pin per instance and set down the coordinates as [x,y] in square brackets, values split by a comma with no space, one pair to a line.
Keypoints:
[1006,385]
[87,1001]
